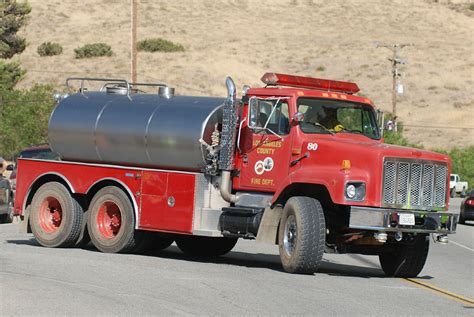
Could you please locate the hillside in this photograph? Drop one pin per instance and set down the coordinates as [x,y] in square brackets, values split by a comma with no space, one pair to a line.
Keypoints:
[245,38]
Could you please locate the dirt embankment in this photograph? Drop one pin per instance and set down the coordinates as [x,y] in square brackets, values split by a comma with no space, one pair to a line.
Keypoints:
[245,38]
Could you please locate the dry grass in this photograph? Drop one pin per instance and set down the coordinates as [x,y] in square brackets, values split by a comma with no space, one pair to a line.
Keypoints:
[245,38]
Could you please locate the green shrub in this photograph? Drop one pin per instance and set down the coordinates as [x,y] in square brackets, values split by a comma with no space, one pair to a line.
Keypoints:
[471,7]
[49,49]
[93,50]
[159,45]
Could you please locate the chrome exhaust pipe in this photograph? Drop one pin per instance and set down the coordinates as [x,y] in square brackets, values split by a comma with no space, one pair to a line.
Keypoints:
[226,155]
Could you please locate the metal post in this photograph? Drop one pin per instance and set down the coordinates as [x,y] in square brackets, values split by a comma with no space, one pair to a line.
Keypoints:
[134,41]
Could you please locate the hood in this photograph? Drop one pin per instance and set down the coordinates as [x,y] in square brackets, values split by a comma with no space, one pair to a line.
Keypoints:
[346,158]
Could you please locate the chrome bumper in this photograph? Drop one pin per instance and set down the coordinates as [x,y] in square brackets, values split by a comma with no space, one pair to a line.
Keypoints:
[380,219]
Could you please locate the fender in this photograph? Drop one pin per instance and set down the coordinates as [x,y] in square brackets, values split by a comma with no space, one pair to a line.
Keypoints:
[332,178]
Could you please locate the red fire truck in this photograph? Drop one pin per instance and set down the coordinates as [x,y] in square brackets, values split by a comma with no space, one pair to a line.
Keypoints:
[299,163]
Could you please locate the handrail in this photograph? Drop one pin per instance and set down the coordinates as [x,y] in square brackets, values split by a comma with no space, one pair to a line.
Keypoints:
[109,80]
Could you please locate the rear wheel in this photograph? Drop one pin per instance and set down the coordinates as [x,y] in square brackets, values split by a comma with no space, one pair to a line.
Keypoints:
[56,217]
[461,220]
[152,241]
[111,223]
[452,192]
[405,260]
[302,235]
[205,246]
[8,217]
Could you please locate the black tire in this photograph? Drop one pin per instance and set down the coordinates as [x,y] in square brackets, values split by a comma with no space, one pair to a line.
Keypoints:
[405,260]
[9,215]
[161,242]
[452,192]
[205,246]
[152,241]
[461,220]
[118,236]
[55,216]
[302,235]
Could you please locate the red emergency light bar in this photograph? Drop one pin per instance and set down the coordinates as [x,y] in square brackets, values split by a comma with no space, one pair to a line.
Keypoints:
[275,79]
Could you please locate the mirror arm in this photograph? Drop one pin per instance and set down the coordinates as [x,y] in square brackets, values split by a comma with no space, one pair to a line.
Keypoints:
[238,136]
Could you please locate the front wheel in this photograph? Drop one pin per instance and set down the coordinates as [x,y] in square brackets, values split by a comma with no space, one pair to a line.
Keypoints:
[302,235]
[405,260]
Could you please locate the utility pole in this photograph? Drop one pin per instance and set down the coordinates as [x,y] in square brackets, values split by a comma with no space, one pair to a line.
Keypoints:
[395,61]
[133,56]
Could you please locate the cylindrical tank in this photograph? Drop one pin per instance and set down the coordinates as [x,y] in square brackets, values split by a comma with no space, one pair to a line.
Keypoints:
[148,130]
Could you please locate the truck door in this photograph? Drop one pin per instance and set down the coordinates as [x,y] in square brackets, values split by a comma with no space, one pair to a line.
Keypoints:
[265,148]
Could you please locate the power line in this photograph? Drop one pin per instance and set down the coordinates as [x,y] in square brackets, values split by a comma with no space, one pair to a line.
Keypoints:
[436,127]
[72,72]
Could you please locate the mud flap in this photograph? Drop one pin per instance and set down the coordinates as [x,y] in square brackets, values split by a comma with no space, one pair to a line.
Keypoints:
[24,226]
[268,230]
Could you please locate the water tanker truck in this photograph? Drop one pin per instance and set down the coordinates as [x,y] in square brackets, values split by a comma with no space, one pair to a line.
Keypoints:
[299,163]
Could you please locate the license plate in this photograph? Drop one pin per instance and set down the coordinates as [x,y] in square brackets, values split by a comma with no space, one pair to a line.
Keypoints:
[406,219]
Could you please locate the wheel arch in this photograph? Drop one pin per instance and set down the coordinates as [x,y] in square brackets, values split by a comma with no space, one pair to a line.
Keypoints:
[317,191]
[43,179]
[94,188]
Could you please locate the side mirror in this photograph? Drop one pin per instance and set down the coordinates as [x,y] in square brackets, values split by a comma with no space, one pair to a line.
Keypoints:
[298,117]
[10,167]
[254,112]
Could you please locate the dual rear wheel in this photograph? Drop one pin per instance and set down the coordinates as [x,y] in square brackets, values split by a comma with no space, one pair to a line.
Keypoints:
[57,220]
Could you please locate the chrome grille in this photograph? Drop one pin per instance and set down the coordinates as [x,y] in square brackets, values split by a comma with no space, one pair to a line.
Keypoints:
[414,184]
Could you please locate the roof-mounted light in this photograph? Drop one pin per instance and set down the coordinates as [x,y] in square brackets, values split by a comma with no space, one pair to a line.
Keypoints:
[275,79]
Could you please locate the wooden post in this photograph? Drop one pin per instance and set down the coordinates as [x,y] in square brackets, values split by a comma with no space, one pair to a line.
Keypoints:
[134,41]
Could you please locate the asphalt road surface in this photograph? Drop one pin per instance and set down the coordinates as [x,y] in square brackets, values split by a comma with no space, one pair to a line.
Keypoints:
[248,281]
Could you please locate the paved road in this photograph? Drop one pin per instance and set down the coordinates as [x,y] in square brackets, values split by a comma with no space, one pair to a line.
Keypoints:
[249,281]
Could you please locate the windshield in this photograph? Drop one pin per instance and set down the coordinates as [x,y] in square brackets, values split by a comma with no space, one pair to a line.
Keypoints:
[452,178]
[322,116]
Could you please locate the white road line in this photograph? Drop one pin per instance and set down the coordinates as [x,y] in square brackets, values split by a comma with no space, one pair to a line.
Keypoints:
[461,245]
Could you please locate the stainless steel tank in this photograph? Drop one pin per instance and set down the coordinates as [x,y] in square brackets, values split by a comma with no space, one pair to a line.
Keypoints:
[148,130]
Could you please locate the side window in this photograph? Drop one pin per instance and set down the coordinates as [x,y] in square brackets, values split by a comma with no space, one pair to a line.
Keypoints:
[278,121]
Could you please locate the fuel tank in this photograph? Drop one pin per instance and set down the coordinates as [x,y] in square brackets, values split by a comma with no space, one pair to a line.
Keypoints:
[145,130]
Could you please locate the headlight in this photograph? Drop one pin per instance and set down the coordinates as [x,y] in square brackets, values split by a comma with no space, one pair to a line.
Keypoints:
[350,191]
[355,191]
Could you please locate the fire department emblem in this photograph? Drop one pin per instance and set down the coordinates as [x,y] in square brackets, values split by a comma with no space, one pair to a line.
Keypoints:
[259,168]
[268,164]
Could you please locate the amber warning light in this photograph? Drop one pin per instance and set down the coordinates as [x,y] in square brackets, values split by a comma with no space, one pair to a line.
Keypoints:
[275,79]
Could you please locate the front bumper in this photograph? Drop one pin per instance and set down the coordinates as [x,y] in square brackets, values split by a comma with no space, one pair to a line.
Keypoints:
[386,220]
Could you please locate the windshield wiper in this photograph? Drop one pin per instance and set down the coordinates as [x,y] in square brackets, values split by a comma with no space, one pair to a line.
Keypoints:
[324,128]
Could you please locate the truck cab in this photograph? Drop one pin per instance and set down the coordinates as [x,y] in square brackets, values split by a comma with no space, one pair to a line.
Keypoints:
[374,194]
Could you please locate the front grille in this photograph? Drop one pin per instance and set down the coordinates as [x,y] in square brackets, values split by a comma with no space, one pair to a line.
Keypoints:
[414,184]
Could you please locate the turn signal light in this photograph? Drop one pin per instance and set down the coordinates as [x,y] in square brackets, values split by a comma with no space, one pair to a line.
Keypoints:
[346,165]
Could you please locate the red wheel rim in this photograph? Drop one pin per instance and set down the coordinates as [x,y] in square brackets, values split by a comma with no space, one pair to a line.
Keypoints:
[50,215]
[109,219]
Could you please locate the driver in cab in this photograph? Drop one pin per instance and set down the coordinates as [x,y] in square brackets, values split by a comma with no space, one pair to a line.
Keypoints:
[328,119]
